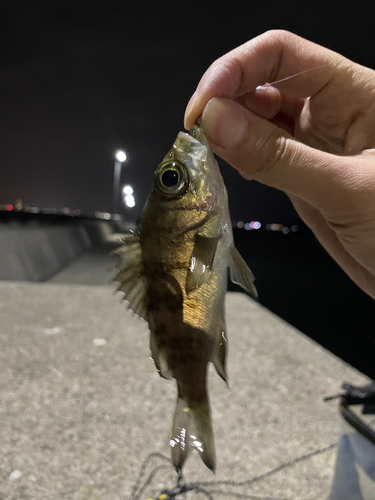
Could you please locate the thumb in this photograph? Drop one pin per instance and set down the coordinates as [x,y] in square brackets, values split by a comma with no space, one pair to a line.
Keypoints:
[262,151]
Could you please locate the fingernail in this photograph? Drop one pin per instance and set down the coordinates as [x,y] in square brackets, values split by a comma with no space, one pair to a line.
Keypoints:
[245,175]
[224,123]
[189,107]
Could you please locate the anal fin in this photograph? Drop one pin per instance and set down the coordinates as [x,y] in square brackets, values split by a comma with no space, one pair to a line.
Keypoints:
[219,357]
[159,357]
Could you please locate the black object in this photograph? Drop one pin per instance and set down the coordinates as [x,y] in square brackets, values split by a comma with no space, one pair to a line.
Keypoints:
[365,396]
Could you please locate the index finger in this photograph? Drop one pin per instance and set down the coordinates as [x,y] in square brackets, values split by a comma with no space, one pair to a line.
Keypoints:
[270,57]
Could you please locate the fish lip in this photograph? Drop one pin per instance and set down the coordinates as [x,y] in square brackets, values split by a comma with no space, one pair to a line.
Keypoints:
[190,146]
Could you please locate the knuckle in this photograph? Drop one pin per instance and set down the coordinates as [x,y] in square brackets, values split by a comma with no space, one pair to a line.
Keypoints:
[277,38]
[278,34]
[273,43]
[224,69]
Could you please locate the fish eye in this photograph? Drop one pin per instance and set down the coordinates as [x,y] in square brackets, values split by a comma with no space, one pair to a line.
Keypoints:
[172,179]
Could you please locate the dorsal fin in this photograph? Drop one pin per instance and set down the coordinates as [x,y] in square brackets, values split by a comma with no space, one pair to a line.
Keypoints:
[130,274]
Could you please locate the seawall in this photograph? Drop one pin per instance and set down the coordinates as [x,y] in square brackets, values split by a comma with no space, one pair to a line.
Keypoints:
[34,253]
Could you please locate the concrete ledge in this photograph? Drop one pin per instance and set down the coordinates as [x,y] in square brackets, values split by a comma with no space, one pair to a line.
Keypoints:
[36,253]
[98,232]
[78,417]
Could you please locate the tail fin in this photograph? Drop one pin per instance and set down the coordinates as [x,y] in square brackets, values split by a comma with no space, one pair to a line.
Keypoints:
[192,428]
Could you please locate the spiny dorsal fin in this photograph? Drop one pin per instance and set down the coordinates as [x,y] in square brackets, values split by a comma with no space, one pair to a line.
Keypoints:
[201,261]
[240,272]
[130,274]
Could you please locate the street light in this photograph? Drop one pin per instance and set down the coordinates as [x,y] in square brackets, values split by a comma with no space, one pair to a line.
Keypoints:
[129,201]
[128,194]
[127,189]
[121,155]
[120,158]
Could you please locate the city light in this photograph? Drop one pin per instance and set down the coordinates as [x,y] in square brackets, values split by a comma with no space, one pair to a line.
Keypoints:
[121,155]
[102,215]
[275,227]
[254,224]
[249,226]
[280,227]
[127,190]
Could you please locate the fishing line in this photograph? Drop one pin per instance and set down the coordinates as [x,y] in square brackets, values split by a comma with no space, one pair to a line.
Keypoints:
[295,75]
[273,471]
[206,488]
[134,494]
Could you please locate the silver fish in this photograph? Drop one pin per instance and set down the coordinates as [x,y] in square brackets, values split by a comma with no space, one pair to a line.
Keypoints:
[174,275]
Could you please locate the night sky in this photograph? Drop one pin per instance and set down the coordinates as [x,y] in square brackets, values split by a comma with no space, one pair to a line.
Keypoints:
[79,79]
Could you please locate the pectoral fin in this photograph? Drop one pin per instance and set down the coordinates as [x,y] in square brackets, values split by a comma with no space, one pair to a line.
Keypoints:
[240,273]
[201,261]
[130,274]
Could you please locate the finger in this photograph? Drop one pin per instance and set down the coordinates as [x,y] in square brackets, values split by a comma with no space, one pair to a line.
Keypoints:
[273,56]
[264,101]
[329,240]
[268,154]
[283,121]
[267,101]
[291,107]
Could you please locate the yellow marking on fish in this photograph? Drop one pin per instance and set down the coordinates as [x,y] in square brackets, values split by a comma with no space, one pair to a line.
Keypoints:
[186,409]
[163,496]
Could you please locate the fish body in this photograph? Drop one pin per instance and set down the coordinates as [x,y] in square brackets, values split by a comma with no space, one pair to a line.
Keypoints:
[174,274]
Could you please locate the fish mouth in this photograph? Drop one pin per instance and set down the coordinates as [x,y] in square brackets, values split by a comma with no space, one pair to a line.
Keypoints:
[191,146]
[197,125]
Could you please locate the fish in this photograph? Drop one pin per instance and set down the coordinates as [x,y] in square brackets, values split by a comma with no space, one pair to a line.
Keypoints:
[174,273]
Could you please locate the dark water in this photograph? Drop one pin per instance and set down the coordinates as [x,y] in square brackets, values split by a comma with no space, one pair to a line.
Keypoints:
[300,282]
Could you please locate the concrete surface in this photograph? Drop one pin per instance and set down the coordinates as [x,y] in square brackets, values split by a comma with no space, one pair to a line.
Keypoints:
[82,405]
[90,268]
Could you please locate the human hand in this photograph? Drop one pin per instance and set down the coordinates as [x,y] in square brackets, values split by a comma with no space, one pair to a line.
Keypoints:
[312,136]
